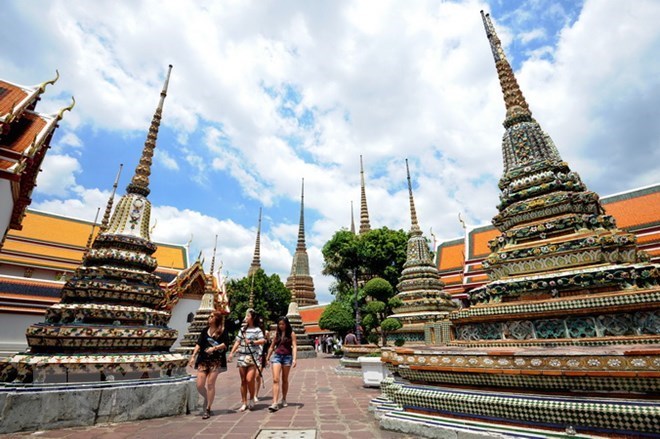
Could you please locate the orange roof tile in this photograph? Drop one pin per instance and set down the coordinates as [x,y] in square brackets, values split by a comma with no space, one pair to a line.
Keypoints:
[479,241]
[45,236]
[651,237]
[315,329]
[452,279]
[451,256]
[12,96]
[38,262]
[311,315]
[634,211]
[24,132]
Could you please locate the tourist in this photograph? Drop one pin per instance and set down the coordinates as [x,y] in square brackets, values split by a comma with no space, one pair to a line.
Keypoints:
[261,360]
[208,358]
[316,344]
[350,338]
[248,342]
[329,343]
[284,352]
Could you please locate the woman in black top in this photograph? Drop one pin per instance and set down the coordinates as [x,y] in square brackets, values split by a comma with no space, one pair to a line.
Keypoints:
[209,357]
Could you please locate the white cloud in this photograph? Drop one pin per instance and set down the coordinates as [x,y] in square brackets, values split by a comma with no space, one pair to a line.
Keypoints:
[534,34]
[164,158]
[278,91]
[58,175]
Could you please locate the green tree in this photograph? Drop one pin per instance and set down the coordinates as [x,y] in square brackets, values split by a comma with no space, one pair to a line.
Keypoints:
[271,298]
[377,253]
[383,253]
[337,318]
[377,309]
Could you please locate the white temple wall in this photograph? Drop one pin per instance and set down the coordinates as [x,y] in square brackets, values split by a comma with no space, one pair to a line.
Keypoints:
[12,332]
[179,320]
[6,206]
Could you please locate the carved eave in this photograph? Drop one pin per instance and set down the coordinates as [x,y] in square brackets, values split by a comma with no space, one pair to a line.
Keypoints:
[21,158]
[18,99]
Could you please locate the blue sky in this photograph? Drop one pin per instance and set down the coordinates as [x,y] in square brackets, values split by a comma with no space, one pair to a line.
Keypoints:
[266,93]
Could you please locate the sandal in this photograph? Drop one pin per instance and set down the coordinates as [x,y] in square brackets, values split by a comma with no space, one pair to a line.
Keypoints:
[243,408]
[207,414]
[273,407]
[284,403]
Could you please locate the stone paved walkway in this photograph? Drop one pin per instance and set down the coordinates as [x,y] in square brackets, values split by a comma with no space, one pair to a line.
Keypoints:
[334,405]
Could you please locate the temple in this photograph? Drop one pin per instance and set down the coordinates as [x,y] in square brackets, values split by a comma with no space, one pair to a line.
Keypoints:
[564,334]
[420,288]
[460,260]
[301,285]
[299,282]
[111,321]
[365,226]
[214,299]
[25,137]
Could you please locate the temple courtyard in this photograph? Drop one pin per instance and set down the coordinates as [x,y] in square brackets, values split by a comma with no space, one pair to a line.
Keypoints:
[322,404]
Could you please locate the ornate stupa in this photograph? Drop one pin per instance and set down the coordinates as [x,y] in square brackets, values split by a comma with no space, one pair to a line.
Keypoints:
[110,323]
[299,282]
[419,288]
[565,335]
[213,299]
[256,257]
[365,226]
[352,220]
[301,285]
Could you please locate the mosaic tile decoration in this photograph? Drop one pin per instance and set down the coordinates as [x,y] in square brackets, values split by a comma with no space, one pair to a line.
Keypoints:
[597,414]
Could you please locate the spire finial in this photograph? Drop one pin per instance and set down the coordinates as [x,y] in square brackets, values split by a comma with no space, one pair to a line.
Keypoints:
[215,246]
[91,234]
[256,258]
[42,86]
[364,212]
[413,213]
[60,113]
[352,220]
[140,182]
[517,109]
[301,224]
[108,207]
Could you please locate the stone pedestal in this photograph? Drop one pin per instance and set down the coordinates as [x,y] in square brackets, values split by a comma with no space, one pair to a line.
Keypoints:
[305,342]
[25,407]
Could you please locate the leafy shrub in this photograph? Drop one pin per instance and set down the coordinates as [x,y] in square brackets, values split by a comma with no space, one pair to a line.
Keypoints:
[399,342]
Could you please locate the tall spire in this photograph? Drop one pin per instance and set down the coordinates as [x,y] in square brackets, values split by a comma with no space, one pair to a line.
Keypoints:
[301,224]
[256,258]
[91,234]
[215,246]
[413,214]
[364,212]
[524,143]
[299,282]
[108,207]
[140,182]
[352,220]
[516,106]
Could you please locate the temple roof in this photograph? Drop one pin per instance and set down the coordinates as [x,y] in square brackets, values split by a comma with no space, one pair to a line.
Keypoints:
[58,242]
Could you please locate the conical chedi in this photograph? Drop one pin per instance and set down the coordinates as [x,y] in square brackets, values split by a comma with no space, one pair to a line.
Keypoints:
[109,322]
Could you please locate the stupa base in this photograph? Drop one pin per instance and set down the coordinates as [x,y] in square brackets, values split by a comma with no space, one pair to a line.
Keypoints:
[422,410]
[29,407]
[601,390]
[43,368]
[306,352]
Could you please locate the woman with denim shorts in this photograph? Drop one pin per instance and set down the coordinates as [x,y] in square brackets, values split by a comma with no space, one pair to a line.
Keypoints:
[283,351]
[248,344]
